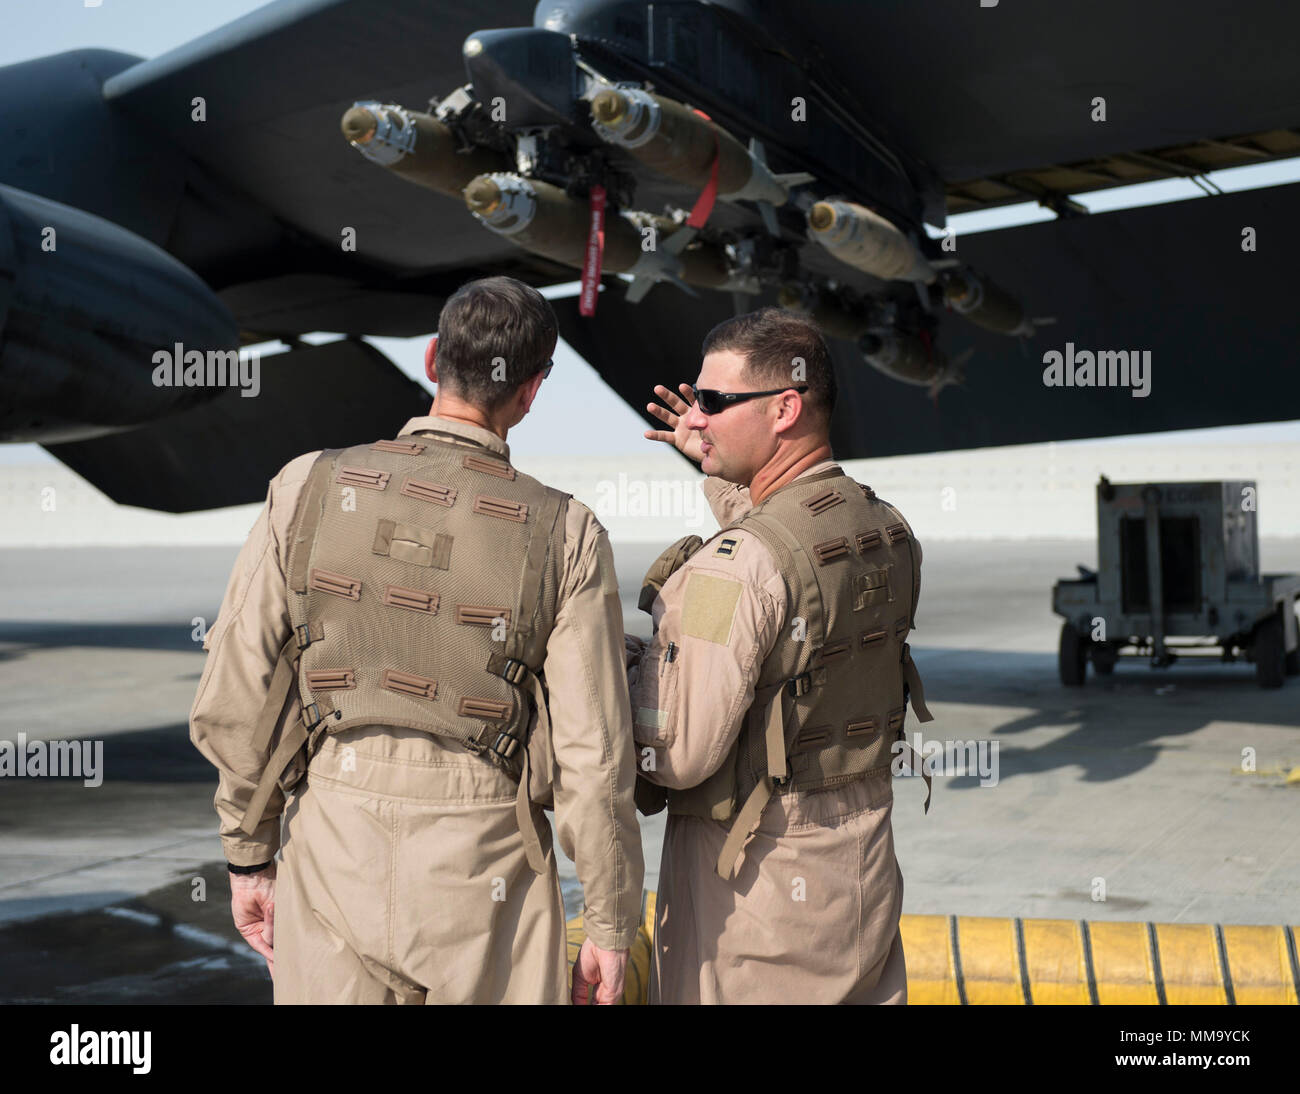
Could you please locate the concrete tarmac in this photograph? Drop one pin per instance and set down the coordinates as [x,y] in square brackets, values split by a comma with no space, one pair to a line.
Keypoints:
[1130,788]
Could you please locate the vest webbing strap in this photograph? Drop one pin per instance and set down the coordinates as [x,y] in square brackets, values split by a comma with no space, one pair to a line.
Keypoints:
[512,667]
[277,694]
[918,764]
[752,811]
[915,689]
[744,825]
[306,519]
[528,824]
[295,736]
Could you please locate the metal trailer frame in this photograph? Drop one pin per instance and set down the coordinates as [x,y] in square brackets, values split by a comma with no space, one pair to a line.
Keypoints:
[1178,576]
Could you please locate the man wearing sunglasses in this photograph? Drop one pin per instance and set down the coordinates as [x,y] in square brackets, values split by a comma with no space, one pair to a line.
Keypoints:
[417,590]
[767,704]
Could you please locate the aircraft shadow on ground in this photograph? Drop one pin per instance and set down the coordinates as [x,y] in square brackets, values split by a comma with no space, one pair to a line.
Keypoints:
[20,637]
[1117,725]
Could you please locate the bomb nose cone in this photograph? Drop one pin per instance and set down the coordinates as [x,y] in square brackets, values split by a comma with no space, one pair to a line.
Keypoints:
[609,106]
[482,196]
[359,124]
[821,216]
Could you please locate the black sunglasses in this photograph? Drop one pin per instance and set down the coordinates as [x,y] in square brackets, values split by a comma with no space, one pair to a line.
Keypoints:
[545,370]
[715,402]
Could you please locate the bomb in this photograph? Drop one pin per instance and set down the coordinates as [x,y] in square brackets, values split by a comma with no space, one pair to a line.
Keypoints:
[545,220]
[669,137]
[984,304]
[865,240]
[416,146]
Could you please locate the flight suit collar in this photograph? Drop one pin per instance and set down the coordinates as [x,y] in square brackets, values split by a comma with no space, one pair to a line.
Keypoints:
[465,432]
[817,469]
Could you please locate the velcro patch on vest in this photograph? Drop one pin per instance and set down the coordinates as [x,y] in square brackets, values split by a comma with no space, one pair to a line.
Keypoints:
[402,448]
[474,707]
[831,549]
[407,543]
[326,581]
[862,727]
[896,532]
[501,507]
[868,541]
[709,607]
[409,683]
[433,492]
[363,476]
[833,651]
[331,680]
[478,616]
[828,499]
[415,600]
[874,638]
[728,547]
[499,468]
[812,737]
[894,720]
[871,587]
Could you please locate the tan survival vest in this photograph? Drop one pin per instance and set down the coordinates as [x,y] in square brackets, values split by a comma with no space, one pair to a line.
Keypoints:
[422,578]
[831,697]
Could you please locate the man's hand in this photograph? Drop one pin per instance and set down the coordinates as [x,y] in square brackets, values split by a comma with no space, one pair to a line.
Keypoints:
[252,903]
[673,415]
[600,972]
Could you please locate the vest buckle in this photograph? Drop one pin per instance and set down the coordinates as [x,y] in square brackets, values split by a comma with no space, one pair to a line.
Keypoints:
[505,745]
[304,635]
[514,672]
[800,685]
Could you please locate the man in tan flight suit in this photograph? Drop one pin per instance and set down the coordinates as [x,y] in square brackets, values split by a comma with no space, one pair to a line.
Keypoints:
[409,598]
[770,698]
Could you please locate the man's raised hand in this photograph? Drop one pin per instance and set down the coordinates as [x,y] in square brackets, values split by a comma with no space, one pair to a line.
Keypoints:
[673,415]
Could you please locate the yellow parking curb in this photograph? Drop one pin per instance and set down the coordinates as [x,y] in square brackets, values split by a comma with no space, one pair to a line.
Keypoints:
[978,959]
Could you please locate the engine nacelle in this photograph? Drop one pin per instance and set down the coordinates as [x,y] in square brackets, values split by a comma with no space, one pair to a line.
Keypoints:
[85,307]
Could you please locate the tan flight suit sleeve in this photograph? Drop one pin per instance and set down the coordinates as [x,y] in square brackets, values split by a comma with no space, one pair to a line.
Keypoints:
[728,500]
[716,620]
[594,765]
[243,646]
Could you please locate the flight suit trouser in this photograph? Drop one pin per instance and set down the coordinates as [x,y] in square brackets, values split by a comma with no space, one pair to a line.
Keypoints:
[812,915]
[404,880]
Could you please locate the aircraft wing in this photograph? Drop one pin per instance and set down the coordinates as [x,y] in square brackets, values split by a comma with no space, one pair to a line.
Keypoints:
[999,100]
[224,452]
[274,85]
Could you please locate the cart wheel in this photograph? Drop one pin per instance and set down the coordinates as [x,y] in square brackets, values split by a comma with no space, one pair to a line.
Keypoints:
[1270,653]
[1104,657]
[1072,659]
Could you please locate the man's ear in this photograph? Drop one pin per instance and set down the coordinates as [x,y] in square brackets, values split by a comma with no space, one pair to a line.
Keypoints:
[528,392]
[789,411]
[430,359]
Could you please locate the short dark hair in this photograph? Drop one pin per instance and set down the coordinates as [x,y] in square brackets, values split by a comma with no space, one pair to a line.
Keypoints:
[493,334]
[773,341]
